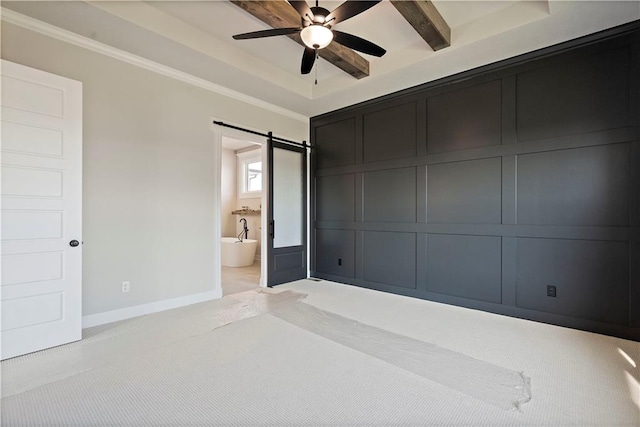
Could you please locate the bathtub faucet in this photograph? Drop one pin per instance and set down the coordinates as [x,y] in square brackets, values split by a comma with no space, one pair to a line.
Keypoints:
[244,234]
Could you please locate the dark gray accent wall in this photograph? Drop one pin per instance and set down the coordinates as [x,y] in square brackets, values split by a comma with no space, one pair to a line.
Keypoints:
[340,252]
[574,96]
[464,266]
[389,258]
[467,192]
[579,186]
[483,189]
[339,148]
[337,193]
[465,118]
[389,133]
[389,195]
[592,278]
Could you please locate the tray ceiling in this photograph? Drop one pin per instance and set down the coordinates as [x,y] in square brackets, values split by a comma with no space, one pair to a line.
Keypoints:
[195,37]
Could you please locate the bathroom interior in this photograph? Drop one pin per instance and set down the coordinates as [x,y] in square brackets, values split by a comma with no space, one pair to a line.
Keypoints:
[241,215]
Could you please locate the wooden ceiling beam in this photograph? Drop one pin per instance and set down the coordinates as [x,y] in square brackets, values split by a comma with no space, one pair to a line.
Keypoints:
[426,20]
[280,14]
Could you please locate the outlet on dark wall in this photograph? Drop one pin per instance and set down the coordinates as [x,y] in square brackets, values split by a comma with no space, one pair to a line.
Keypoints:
[551,291]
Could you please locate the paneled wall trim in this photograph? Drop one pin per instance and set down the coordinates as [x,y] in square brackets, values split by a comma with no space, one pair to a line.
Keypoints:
[513,189]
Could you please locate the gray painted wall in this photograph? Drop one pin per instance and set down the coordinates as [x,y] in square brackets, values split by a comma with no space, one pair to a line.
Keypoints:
[483,190]
[149,190]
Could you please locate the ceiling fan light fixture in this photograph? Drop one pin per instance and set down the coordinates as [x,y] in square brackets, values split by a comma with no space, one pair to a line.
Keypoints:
[317,33]
[316,36]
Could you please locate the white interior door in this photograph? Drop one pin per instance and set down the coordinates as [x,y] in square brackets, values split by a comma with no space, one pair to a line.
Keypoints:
[41,210]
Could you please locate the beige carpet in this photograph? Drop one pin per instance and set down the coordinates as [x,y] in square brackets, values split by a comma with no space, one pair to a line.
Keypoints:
[233,362]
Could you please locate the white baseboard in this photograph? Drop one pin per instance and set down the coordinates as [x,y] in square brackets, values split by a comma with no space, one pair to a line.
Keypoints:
[152,307]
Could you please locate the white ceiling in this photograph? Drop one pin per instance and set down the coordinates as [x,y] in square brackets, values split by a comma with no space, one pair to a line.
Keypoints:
[195,37]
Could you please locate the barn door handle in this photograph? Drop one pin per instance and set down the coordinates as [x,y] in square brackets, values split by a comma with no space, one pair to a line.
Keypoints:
[74,243]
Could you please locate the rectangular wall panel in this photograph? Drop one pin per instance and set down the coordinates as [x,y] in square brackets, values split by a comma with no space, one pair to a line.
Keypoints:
[335,252]
[29,311]
[465,118]
[31,225]
[581,186]
[28,139]
[390,258]
[390,195]
[26,182]
[390,133]
[335,195]
[464,266]
[30,268]
[335,144]
[591,278]
[466,192]
[584,95]
[32,97]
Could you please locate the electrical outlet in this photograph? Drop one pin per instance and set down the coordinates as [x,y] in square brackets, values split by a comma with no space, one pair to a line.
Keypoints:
[551,291]
[339,261]
[126,286]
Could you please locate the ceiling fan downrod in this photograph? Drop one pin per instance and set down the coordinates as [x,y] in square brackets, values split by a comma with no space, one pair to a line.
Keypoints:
[317,66]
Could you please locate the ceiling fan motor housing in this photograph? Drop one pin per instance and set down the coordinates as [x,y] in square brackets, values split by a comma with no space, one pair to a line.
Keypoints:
[319,15]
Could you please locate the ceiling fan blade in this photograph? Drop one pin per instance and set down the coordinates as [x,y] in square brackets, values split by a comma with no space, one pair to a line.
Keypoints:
[357,43]
[349,9]
[308,58]
[302,7]
[266,33]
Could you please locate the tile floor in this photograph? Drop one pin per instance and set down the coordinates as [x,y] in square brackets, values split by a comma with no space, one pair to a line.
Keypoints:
[240,279]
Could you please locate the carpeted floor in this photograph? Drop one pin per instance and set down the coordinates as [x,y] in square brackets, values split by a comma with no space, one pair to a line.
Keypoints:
[318,353]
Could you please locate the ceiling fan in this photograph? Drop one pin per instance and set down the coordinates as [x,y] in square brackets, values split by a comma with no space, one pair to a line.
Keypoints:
[316,30]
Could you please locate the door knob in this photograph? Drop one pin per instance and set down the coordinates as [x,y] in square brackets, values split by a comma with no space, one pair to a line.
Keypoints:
[74,243]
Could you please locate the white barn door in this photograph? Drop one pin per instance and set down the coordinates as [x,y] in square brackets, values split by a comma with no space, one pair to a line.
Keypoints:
[41,210]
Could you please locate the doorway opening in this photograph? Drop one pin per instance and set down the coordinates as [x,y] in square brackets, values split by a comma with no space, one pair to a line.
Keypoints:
[242,200]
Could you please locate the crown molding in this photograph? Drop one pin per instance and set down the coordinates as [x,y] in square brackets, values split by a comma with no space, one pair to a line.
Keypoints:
[66,36]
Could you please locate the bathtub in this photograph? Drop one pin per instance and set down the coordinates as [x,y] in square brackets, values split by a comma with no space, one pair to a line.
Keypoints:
[236,254]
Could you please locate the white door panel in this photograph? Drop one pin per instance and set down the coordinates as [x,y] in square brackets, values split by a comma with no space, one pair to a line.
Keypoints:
[31,310]
[41,210]
[18,268]
[26,182]
[26,93]
[20,138]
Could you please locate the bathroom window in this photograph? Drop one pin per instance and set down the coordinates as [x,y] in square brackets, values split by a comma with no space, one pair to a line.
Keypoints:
[249,174]
[253,175]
